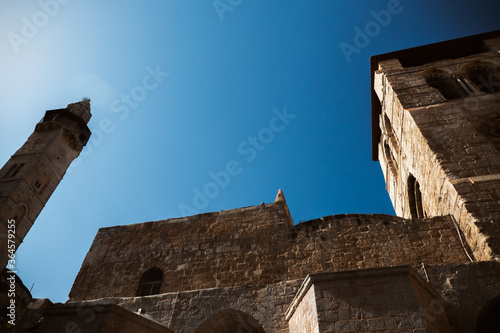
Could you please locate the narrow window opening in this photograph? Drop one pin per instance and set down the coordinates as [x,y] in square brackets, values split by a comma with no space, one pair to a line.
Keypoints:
[389,157]
[448,86]
[415,198]
[37,185]
[387,124]
[13,170]
[486,78]
[150,282]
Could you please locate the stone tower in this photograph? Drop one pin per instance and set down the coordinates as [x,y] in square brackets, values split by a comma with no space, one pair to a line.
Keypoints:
[30,176]
[436,133]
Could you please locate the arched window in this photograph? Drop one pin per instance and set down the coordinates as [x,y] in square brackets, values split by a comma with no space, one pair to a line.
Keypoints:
[150,282]
[486,77]
[448,86]
[488,320]
[415,198]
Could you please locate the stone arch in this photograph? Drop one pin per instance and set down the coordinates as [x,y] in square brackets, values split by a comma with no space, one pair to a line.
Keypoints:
[230,321]
[484,75]
[443,81]
[488,319]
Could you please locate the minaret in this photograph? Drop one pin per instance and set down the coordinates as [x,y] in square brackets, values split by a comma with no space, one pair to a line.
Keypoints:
[30,176]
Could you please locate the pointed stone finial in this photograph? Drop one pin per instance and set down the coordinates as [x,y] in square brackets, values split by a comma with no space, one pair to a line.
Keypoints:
[280,197]
[81,109]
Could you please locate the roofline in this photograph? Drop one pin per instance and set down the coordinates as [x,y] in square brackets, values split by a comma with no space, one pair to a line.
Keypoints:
[454,48]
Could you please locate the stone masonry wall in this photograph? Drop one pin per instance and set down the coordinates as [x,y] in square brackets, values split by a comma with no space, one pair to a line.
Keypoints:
[466,290]
[391,299]
[442,297]
[191,311]
[234,247]
[256,246]
[351,241]
[96,319]
[305,316]
[450,147]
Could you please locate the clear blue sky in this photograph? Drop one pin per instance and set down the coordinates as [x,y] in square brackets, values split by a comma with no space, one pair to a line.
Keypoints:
[182,90]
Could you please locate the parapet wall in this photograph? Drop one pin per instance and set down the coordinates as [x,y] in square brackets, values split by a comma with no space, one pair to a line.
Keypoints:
[256,245]
[352,241]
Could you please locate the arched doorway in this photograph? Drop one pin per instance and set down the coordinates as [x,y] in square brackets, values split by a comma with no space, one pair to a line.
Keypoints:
[230,321]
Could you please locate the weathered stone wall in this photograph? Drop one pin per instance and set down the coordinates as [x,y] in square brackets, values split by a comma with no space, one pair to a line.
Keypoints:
[256,246]
[234,247]
[372,300]
[305,313]
[439,298]
[451,147]
[259,308]
[351,241]
[466,290]
[97,319]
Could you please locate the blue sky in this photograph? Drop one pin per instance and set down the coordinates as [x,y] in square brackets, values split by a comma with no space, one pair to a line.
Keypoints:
[258,95]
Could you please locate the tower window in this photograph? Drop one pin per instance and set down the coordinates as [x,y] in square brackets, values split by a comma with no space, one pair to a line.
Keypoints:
[448,86]
[37,185]
[486,77]
[415,198]
[150,282]
[13,170]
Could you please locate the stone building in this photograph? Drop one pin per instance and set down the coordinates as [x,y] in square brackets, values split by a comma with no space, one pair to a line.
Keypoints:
[433,268]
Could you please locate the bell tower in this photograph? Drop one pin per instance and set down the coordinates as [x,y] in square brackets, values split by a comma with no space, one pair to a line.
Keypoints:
[436,134]
[30,176]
